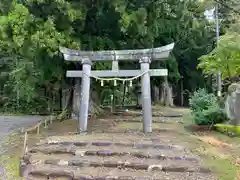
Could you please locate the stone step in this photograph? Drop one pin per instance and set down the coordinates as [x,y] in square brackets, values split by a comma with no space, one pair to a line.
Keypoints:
[117,162]
[130,138]
[90,173]
[115,151]
[138,145]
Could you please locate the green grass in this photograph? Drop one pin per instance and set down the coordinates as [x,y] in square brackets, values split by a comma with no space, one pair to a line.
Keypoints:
[217,159]
[11,166]
[213,158]
[223,168]
[11,158]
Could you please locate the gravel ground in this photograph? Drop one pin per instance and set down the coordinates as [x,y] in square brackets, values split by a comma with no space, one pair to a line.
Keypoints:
[8,124]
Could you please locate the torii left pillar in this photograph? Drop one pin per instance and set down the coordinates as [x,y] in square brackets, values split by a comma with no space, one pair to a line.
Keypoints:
[146,94]
[85,92]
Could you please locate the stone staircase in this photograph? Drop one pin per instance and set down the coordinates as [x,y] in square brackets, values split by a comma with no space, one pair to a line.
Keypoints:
[111,160]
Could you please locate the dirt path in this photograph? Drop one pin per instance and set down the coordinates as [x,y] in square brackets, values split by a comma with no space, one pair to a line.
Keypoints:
[8,124]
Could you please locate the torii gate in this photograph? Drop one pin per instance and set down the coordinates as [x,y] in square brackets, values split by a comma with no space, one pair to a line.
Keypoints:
[143,55]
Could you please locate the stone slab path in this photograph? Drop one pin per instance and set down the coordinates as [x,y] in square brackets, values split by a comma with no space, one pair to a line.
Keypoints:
[8,124]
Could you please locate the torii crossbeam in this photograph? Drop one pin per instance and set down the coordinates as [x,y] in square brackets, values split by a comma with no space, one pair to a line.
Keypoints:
[143,55]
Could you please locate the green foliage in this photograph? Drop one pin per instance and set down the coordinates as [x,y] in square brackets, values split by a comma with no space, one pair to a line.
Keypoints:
[225,58]
[228,129]
[31,32]
[31,46]
[205,108]
[212,115]
[201,100]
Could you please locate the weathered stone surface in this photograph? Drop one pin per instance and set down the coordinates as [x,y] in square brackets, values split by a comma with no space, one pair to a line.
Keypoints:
[26,159]
[22,167]
[140,155]
[192,159]
[106,153]
[83,178]
[204,170]
[111,178]
[63,163]
[159,53]
[161,156]
[52,161]
[124,144]
[102,143]
[96,164]
[232,104]
[91,153]
[57,150]
[143,146]
[79,163]
[111,164]
[80,144]
[80,153]
[137,166]
[53,173]
[67,143]
[174,169]
[162,147]
[155,168]
[126,178]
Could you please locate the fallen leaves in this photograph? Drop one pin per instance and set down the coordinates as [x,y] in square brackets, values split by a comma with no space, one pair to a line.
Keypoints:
[213,141]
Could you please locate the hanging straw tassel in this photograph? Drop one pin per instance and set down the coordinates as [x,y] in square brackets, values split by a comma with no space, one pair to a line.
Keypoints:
[115,82]
[102,83]
[130,83]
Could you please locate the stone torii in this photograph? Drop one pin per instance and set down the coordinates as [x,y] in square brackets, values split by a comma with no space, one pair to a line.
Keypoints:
[144,56]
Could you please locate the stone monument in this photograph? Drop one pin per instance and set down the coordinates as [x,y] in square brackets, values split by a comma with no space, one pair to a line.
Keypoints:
[232,104]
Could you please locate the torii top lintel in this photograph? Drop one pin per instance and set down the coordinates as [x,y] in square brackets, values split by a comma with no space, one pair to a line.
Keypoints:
[159,53]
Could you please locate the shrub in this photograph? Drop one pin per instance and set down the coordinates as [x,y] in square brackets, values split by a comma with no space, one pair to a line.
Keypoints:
[212,115]
[205,108]
[201,100]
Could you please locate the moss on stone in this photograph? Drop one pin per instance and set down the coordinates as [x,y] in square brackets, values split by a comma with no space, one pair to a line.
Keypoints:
[228,129]
[233,87]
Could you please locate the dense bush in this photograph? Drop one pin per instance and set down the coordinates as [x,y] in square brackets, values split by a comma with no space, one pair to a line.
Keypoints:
[212,115]
[201,100]
[206,109]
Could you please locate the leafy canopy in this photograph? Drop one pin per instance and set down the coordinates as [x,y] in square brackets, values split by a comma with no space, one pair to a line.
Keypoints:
[226,56]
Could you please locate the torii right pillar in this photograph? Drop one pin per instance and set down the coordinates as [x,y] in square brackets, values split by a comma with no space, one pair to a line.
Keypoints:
[146,94]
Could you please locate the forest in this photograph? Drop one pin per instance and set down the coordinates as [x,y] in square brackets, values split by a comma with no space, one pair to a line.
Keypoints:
[33,71]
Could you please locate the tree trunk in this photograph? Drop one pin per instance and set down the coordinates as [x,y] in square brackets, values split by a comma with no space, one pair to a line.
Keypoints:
[155,94]
[124,93]
[76,99]
[60,97]
[166,94]
[94,100]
